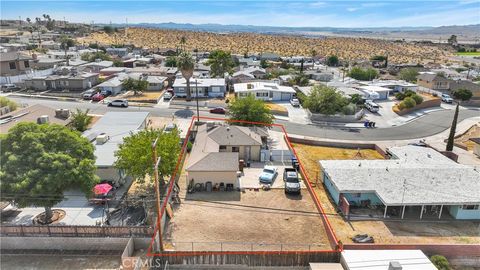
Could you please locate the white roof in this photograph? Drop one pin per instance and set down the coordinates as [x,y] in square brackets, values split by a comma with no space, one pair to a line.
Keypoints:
[380,259]
[414,176]
[101,64]
[114,82]
[387,83]
[261,86]
[181,82]
[374,88]
[114,69]
[116,125]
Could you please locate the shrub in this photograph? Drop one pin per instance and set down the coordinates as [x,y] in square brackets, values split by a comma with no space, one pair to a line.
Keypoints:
[409,102]
[363,74]
[325,100]
[5,102]
[418,99]
[409,74]
[440,262]
[189,146]
[301,97]
[349,109]
[400,96]
[462,94]
[401,106]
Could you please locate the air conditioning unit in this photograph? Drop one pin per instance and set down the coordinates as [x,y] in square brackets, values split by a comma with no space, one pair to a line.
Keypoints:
[43,119]
[102,138]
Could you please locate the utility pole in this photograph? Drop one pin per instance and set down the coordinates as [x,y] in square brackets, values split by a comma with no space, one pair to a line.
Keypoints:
[156,162]
[196,97]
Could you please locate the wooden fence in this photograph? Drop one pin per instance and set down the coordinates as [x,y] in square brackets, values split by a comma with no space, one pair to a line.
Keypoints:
[76,231]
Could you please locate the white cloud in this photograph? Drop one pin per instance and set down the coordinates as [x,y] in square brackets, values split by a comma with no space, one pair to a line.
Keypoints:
[352,9]
[468,2]
[318,4]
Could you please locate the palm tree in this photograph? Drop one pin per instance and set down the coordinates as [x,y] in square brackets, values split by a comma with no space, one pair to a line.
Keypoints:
[29,20]
[220,62]
[183,41]
[81,120]
[186,65]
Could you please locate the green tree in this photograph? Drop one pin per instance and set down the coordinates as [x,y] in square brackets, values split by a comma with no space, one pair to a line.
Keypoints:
[440,262]
[90,57]
[356,99]
[136,86]
[453,128]
[66,42]
[39,162]
[5,102]
[300,80]
[264,63]
[325,100]
[135,154]
[462,94]
[418,99]
[408,103]
[409,74]
[220,62]
[332,61]
[117,63]
[452,40]
[249,109]
[186,64]
[361,74]
[108,29]
[80,120]
[171,61]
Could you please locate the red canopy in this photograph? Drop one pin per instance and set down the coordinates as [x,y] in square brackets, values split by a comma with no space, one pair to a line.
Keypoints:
[102,188]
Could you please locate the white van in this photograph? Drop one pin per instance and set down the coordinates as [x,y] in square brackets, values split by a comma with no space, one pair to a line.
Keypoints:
[371,106]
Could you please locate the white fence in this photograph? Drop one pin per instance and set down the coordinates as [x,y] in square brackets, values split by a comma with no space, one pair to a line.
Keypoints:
[21,78]
[281,155]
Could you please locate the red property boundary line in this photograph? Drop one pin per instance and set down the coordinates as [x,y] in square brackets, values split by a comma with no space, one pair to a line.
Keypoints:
[328,227]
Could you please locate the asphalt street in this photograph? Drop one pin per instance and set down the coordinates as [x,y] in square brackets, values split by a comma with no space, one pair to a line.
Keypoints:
[427,125]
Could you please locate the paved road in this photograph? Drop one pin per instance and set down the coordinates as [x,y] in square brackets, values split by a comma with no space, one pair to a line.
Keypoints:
[430,124]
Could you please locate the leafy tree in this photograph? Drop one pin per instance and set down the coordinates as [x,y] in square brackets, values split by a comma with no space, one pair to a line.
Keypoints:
[451,135]
[300,80]
[332,61]
[220,62]
[452,40]
[171,61]
[66,42]
[39,162]
[408,103]
[136,86]
[440,262]
[117,63]
[264,63]
[5,102]
[186,64]
[135,153]
[90,57]
[80,120]
[363,74]
[409,74]
[108,29]
[325,100]
[462,94]
[249,109]
[356,99]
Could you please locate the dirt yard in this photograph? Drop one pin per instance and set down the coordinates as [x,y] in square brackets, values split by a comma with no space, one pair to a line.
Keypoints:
[473,132]
[147,96]
[250,220]
[383,232]
[276,107]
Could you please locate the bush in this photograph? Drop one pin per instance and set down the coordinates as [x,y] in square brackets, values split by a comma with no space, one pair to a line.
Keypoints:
[409,102]
[363,74]
[325,100]
[401,106]
[189,146]
[440,262]
[400,96]
[5,102]
[418,99]
[301,97]
[462,94]
[349,109]
[409,74]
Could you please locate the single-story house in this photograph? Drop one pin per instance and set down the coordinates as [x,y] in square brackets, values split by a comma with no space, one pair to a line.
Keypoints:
[113,70]
[416,182]
[374,92]
[45,62]
[120,52]
[394,85]
[472,86]
[264,91]
[155,83]
[107,134]
[73,82]
[433,81]
[206,87]
[113,86]
[248,62]
[319,75]
[217,150]
[269,56]
[476,146]
[32,114]
[14,63]
[375,259]
[249,74]
[98,65]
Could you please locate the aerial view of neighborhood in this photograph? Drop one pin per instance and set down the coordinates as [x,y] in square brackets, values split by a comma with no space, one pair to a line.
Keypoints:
[250,135]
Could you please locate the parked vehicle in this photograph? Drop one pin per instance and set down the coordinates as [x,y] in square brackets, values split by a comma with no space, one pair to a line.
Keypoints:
[9,87]
[372,106]
[292,181]
[169,127]
[118,103]
[89,94]
[167,96]
[106,93]
[268,174]
[363,238]
[97,97]
[295,102]
[218,110]
[446,98]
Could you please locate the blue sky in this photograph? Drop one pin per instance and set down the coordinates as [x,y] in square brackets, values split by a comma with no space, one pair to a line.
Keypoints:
[272,13]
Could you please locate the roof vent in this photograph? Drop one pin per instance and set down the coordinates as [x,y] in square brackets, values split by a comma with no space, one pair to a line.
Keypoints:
[43,119]
[394,265]
[228,128]
[102,138]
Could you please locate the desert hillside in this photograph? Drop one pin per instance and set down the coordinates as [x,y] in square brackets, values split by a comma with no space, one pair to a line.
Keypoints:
[346,48]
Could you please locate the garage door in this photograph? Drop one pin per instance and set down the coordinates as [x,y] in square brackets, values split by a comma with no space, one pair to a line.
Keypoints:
[286,96]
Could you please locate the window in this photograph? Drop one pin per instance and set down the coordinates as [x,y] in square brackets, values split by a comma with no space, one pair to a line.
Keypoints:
[26,64]
[357,195]
[223,147]
[261,94]
[235,149]
[470,207]
[215,88]
[12,65]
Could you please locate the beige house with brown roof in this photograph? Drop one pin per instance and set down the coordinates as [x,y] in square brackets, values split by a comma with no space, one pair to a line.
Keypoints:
[217,150]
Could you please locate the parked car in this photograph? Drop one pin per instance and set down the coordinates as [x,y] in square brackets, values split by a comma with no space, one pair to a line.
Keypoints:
[170,90]
[218,110]
[268,174]
[295,102]
[372,106]
[89,93]
[106,93]
[167,96]
[97,97]
[9,87]
[169,127]
[446,98]
[363,238]
[118,103]
[292,181]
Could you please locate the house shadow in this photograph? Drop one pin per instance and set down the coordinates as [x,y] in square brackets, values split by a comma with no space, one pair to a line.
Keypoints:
[424,228]
[184,113]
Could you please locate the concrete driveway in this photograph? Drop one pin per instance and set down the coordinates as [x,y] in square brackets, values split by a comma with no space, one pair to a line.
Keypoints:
[296,114]
[250,176]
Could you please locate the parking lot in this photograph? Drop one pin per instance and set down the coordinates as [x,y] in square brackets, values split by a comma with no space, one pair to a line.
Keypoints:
[249,220]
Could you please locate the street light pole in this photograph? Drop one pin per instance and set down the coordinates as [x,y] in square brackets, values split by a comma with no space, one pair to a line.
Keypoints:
[196,97]
[156,162]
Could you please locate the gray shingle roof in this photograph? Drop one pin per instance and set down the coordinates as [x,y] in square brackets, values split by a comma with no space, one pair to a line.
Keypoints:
[234,135]
[216,161]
